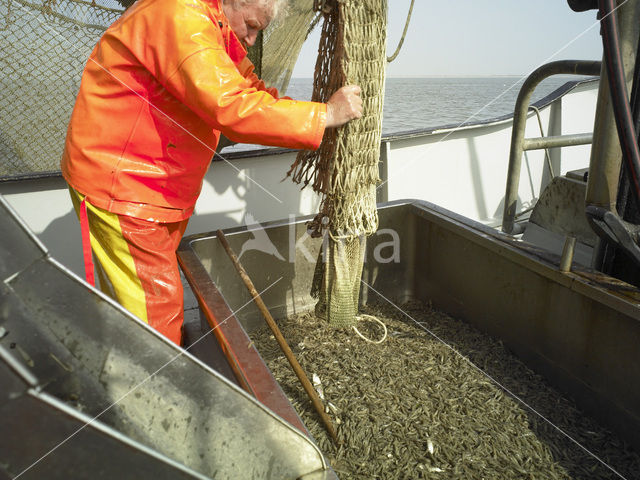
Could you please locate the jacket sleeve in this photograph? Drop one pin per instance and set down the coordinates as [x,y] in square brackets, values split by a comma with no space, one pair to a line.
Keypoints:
[226,100]
[186,53]
[246,69]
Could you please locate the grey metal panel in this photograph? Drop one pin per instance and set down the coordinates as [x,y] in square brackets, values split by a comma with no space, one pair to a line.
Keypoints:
[278,256]
[555,242]
[19,246]
[283,253]
[580,329]
[44,438]
[561,209]
[154,406]
[390,254]
[153,392]
[560,213]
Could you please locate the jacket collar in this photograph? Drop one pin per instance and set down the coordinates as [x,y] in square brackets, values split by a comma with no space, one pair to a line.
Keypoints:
[232,44]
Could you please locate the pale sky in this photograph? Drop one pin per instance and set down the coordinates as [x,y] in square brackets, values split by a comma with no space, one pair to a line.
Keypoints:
[480,37]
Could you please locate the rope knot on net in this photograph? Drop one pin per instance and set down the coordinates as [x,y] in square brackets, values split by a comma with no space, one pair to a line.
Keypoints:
[344,169]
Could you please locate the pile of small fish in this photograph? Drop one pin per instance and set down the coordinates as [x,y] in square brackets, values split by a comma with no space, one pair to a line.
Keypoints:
[426,403]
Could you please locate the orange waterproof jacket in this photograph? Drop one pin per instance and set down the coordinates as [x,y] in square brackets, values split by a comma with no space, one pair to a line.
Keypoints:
[159,87]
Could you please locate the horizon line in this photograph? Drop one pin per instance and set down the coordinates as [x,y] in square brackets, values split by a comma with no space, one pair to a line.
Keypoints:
[524,75]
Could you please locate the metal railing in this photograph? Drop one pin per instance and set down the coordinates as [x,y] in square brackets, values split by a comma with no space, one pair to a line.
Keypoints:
[519,144]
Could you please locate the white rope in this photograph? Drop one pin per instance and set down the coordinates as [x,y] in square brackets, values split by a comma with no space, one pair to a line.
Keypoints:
[384,327]
[404,34]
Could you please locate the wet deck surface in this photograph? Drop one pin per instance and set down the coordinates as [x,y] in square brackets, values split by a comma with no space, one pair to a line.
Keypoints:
[417,406]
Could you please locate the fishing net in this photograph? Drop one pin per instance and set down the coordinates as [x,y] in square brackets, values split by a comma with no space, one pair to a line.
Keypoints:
[344,169]
[45,45]
[276,55]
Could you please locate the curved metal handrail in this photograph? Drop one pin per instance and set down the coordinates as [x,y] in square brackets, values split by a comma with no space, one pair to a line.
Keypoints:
[518,142]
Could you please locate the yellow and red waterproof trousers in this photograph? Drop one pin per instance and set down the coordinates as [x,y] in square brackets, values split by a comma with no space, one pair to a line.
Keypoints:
[136,264]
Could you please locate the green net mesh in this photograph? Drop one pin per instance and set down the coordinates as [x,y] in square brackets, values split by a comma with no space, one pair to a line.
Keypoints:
[336,281]
[45,45]
[282,42]
[345,167]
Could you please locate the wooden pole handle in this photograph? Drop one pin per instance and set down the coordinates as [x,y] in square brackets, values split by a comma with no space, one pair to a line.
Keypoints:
[317,403]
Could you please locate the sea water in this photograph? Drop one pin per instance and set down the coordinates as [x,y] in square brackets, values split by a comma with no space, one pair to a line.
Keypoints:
[429,102]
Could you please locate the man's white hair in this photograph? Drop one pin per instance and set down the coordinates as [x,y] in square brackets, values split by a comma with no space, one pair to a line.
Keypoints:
[276,9]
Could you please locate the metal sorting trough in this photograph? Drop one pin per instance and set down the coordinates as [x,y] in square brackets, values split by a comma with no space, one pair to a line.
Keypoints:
[89,391]
[579,329]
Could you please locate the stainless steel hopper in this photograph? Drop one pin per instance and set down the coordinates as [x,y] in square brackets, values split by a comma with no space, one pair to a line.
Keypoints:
[89,391]
[579,329]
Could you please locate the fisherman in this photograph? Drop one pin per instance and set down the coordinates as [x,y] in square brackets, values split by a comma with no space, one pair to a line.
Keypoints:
[163,82]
